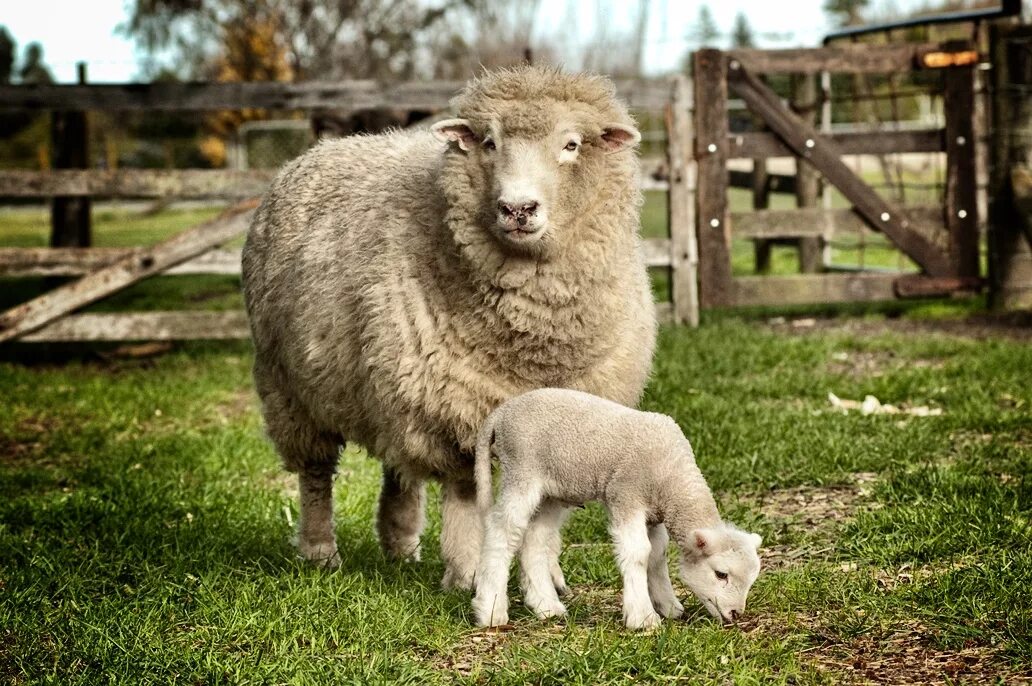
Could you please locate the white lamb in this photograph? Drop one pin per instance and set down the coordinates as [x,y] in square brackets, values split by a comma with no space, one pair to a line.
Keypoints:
[559,448]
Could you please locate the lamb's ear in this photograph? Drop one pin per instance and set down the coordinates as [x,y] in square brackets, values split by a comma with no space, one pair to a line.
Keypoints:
[756,540]
[617,137]
[702,541]
[457,130]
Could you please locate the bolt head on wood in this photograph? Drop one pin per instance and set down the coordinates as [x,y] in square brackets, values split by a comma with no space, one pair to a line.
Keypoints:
[712,147]
[810,143]
[714,222]
[885,216]
[961,140]
[735,64]
[962,214]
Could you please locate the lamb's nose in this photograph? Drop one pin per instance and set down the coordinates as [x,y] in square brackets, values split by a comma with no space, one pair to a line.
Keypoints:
[527,209]
[735,615]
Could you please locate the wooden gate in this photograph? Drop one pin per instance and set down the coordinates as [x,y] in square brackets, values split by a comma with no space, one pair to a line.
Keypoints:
[942,241]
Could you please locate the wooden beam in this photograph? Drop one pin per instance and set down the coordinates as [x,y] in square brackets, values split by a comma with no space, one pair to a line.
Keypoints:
[961,178]
[308,95]
[755,144]
[917,286]
[805,289]
[683,253]
[846,59]
[711,123]
[70,218]
[144,326]
[657,252]
[136,183]
[811,222]
[40,311]
[806,142]
[28,262]
[808,180]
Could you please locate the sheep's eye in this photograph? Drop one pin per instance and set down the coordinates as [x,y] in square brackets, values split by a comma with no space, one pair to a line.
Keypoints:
[571,146]
[721,575]
[489,144]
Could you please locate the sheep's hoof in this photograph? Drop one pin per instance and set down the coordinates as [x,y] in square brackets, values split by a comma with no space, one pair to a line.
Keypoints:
[562,590]
[492,617]
[456,581]
[671,609]
[322,555]
[548,611]
[643,621]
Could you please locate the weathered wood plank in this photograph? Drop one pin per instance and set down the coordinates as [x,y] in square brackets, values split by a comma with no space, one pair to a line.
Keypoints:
[806,142]
[70,218]
[917,286]
[808,180]
[665,312]
[26,262]
[711,123]
[682,253]
[657,252]
[136,183]
[845,59]
[144,326]
[40,311]
[961,183]
[310,95]
[755,144]
[812,222]
[804,289]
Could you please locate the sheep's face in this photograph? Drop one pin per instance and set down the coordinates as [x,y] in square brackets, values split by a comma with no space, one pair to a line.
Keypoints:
[535,167]
[719,565]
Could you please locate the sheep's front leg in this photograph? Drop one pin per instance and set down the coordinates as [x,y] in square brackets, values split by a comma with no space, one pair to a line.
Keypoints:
[631,539]
[401,517]
[315,539]
[503,535]
[461,533]
[540,576]
[660,589]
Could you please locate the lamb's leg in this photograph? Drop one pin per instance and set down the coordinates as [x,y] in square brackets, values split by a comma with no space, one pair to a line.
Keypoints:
[555,545]
[503,534]
[315,539]
[401,516]
[461,533]
[631,539]
[539,560]
[660,589]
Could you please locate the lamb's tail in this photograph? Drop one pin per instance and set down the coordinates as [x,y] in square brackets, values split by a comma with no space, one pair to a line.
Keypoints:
[482,465]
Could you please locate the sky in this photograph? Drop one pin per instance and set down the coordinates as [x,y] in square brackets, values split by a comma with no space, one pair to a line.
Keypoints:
[85,30]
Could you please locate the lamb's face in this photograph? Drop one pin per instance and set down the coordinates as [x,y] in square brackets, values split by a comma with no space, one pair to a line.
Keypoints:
[537,163]
[719,565]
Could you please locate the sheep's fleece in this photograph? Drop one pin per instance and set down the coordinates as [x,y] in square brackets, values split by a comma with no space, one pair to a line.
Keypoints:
[391,306]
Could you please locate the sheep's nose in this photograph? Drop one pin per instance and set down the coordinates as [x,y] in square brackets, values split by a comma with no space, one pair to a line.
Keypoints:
[526,209]
[735,614]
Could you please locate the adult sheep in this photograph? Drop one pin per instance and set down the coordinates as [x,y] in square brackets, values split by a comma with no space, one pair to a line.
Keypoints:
[401,286]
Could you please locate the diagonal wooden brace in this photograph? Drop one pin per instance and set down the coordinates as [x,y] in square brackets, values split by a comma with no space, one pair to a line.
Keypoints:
[808,144]
[36,313]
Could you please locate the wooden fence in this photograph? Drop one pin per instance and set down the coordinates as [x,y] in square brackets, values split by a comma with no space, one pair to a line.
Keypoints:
[942,240]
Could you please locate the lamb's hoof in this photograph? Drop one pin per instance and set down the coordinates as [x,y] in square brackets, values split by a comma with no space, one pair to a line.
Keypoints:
[493,616]
[403,550]
[562,590]
[455,580]
[671,609]
[549,611]
[323,555]
[643,621]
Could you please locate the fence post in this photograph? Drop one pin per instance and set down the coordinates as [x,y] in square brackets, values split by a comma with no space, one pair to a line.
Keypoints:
[808,180]
[70,216]
[684,257]
[1010,207]
[710,102]
[961,206]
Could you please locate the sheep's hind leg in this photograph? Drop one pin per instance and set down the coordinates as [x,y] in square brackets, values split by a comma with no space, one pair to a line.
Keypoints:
[401,515]
[315,538]
[461,533]
[503,535]
[633,548]
[539,562]
[660,589]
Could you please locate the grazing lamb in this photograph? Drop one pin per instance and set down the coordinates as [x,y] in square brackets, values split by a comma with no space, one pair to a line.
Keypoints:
[401,286]
[557,448]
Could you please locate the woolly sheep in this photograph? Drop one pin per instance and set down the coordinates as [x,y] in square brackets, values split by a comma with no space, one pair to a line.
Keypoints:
[558,448]
[401,286]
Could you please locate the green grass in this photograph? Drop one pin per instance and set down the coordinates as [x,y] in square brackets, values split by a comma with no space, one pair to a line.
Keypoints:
[145,526]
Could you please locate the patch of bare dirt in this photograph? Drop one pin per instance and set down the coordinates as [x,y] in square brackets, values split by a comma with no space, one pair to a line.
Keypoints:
[1014,326]
[27,441]
[237,404]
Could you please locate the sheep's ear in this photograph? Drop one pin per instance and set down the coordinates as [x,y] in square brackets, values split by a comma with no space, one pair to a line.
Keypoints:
[702,542]
[617,137]
[457,131]
[756,540]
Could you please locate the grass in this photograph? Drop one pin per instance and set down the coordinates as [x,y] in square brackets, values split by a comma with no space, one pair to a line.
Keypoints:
[145,526]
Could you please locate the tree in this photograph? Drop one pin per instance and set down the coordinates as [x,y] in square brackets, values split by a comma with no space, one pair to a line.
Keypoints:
[742,33]
[846,12]
[705,33]
[7,52]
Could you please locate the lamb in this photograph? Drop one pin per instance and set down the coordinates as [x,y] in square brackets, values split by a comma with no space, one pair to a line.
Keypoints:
[557,448]
[400,286]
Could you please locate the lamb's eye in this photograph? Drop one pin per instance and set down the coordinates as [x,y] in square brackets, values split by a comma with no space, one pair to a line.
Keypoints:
[489,144]
[721,575]
[571,146]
